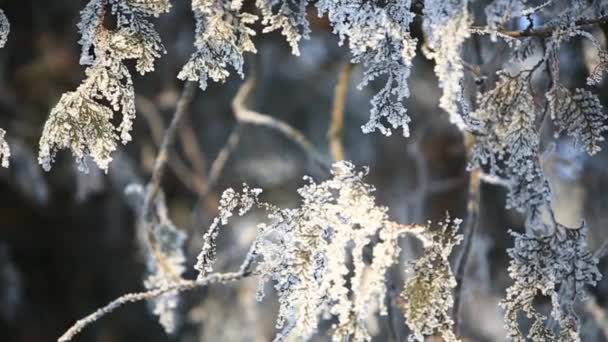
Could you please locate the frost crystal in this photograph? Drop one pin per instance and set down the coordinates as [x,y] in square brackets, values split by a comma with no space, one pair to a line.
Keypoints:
[446,24]
[222,36]
[82,120]
[289,16]
[379,38]
[579,114]
[428,288]
[558,266]
[508,141]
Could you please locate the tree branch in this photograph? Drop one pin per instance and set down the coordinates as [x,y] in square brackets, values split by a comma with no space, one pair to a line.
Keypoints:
[246,115]
[337,114]
[180,286]
[543,31]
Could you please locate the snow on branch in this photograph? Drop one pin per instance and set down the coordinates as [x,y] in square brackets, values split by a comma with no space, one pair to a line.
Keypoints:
[82,121]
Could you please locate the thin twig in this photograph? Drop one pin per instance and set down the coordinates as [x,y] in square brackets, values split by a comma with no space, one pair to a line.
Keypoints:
[190,179]
[217,167]
[246,115]
[168,140]
[337,114]
[543,32]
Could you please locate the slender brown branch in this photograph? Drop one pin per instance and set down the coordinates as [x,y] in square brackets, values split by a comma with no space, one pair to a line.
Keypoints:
[543,31]
[337,114]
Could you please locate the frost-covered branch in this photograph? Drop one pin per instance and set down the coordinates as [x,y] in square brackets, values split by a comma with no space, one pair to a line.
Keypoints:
[184,285]
[542,32]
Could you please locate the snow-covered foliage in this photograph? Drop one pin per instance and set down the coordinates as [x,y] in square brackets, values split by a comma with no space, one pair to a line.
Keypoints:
[329,258]
[289,16]
[559,266]
[83,119]
[429,285]
[580,115]
[446,24]
[379,39]
[508,140]
[223,34]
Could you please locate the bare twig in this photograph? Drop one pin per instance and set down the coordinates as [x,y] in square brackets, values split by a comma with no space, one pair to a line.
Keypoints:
[246,115]
[168,140]
[337,114]
[223,156]
[191,180]
[193,151]
[543,32]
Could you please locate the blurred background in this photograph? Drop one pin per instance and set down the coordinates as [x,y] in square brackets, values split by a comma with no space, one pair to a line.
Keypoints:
[68,243]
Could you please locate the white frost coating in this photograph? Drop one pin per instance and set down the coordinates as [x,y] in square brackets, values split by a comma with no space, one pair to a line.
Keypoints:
[559,266]
[5,151]
[5,28]
[81,121]
[379,39]
[222,35]
[446,24]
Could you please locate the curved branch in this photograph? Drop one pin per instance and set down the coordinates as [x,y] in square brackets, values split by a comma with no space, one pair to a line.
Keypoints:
[246,115]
